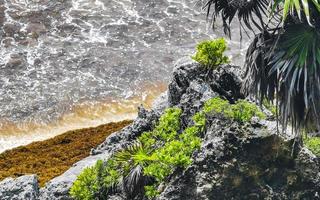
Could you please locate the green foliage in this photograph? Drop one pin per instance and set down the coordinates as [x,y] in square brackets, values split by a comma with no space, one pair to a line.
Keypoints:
[158,170]
[297,59]
[151,191]
[210,53]
[199,119]
[283,59]
[156,155]
[217,105]
[111,177]
[313,144]
[166,130]
[289,6]
[88,183]
[241,111]
[132,156]
[175,152]
[190,137]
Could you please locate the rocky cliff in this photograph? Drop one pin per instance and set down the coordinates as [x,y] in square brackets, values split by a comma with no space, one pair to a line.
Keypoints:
[235,161]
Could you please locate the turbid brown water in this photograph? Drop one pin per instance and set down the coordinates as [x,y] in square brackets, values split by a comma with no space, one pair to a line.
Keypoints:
[61,61]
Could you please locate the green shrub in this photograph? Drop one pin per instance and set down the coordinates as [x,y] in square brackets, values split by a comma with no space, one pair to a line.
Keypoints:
[151,191]
[88,183]
[217,105]
[175,152]
[210,53]
[199,120]
[241,111]
[111,177]
[156,155]
[313,144]
[166,130]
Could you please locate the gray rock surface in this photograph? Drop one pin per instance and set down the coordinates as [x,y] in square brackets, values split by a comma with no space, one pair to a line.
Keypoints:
[22,188]
[236,161]
[242,162]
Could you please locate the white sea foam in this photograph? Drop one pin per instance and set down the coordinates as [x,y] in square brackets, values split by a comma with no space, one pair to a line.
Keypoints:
[55,55]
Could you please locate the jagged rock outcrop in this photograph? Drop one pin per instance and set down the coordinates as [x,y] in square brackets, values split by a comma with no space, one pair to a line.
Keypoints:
[236,161]
[245,162]
[25,187]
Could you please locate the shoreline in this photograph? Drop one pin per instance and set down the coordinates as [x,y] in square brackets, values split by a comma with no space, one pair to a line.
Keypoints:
[82,115]
[52,157]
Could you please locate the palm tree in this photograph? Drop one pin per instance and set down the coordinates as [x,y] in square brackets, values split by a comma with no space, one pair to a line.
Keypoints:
[283,60]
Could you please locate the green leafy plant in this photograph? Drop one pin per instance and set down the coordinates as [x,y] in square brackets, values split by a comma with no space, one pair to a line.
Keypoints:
[89,185]
[210,53]
[218,105]
[166,130]
[241,111]
[130,163]
[174,153]
[199,121]
[313,144]
[151,191]
[143,166]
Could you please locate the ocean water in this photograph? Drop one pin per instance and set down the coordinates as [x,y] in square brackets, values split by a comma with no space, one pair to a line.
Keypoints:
[68,64]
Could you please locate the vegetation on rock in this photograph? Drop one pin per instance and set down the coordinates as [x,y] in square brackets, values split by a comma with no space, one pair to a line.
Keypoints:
[143,166]
[52,157]
[210,53]
[313,144]
[241,111]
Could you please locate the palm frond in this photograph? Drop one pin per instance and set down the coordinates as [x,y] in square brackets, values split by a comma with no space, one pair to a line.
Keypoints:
[132,159]
[257,80]
[248,12]
[297,7]
[286,66]
[296,62]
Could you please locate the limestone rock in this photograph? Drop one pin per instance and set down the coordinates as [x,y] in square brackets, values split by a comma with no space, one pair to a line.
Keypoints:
[22,188]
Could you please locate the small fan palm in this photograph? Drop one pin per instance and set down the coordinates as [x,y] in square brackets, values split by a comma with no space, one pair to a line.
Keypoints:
[132,160]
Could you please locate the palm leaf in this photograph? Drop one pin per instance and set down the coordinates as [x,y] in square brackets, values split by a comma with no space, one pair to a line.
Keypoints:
[291,70]
[257,79]
[298,75]
[292,7]
[132,159]
[296,64]
[250,13]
